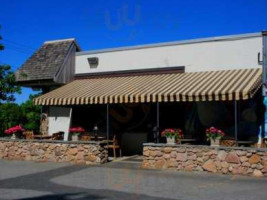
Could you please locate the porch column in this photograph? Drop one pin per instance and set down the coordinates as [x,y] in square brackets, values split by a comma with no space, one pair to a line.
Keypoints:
[158,122]
[236,121]
[107,124]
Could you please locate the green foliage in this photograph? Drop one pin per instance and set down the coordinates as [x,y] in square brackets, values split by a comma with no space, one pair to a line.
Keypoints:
[8,85]
[30,114]
[26,114]
[10,115]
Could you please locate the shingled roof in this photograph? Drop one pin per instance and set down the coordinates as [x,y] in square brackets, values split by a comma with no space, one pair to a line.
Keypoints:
[46,61]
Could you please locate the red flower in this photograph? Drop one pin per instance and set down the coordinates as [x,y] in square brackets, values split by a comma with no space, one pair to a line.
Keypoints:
[76,130]
[14,129]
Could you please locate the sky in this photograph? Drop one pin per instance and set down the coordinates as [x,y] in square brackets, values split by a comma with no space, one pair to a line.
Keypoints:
[98,24]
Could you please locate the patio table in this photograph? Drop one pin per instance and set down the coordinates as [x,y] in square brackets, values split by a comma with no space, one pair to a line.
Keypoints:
[245,143]
[41,137]
[188,140]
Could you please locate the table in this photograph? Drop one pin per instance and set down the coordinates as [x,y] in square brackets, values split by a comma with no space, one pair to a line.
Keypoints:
[245,143]
[188,140]
[41,137]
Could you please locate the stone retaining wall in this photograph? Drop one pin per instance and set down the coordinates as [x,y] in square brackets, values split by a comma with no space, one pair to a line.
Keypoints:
[224,160]
[53,151]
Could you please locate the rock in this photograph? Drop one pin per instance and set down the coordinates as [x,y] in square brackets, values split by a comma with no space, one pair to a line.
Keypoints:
[241,153]
[224,165]
[198,168]
[159,153]
[91,158]
[243,158]
[200,160]
[192,157]
[254,159]
[257,173]
[173,154]
[209,166]
[264,170]
[189,168]
[152,153]
[166,156]
[146,153]
[245,164]
[167,149]
[222,155]
[224,170]
[181,157]
[232,158]
[73,151]
[159,164]
[171,163]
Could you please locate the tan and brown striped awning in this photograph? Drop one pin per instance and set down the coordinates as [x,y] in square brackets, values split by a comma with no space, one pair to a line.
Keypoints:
[195,86]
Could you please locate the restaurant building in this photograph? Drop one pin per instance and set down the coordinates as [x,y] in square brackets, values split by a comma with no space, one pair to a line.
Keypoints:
[136,92]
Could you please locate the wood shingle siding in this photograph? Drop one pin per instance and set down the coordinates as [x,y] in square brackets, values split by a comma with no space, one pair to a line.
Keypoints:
[53,61]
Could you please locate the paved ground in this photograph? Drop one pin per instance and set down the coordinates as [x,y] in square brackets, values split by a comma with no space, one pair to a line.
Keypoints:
[121,180]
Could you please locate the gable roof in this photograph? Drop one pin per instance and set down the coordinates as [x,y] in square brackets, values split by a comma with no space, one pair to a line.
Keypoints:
[46,61]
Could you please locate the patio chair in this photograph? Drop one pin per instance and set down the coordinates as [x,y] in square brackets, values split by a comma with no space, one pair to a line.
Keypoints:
[28,135]
[228,143]
[113,144]
[86,137]
[58,136]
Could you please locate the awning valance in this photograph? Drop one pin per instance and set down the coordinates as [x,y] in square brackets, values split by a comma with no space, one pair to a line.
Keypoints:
[195,86]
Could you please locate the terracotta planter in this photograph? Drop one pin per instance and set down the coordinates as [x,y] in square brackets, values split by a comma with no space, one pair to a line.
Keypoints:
[215,142]
[170,140]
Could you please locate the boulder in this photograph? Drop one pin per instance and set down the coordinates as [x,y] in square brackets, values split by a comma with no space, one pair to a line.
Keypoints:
[209,166]
[254,159]
[232,158]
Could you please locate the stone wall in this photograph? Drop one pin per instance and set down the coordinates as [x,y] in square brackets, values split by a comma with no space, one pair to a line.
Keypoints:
[53,151]
[224,160]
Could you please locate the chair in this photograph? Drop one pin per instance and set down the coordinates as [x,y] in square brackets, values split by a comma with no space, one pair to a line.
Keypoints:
[86,137]
[29,135]
[113,144]
[228,143]
[58,136]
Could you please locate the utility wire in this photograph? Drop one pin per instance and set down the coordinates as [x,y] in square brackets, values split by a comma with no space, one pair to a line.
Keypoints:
[19,44]
[18,48]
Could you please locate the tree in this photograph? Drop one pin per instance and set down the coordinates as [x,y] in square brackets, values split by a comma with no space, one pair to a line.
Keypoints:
[8,85]
[10,115]
[30,114]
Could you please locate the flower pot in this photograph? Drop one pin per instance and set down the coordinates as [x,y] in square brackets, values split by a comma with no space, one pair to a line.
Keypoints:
[75,137]
[14,136]
[170,140]
[215,142]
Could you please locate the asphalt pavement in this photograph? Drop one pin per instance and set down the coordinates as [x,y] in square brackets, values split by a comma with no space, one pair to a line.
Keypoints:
[120,180]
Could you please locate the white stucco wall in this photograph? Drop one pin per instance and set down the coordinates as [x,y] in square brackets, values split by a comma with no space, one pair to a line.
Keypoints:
[204,56]
[59,120]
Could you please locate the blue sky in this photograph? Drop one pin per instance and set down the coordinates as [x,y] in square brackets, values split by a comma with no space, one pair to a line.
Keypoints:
[100,24]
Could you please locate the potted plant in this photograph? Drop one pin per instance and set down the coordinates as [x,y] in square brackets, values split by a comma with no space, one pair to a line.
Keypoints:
[16,132]
[75,133]
[214,135]
[172,135]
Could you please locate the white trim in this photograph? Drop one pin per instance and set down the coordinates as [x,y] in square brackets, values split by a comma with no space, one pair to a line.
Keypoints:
[181,42]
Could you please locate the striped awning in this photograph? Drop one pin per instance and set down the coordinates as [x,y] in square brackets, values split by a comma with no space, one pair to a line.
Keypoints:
[195,86]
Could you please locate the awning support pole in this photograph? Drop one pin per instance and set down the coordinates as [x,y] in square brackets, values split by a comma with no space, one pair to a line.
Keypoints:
[236,123]
[157,122]
[107,124]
